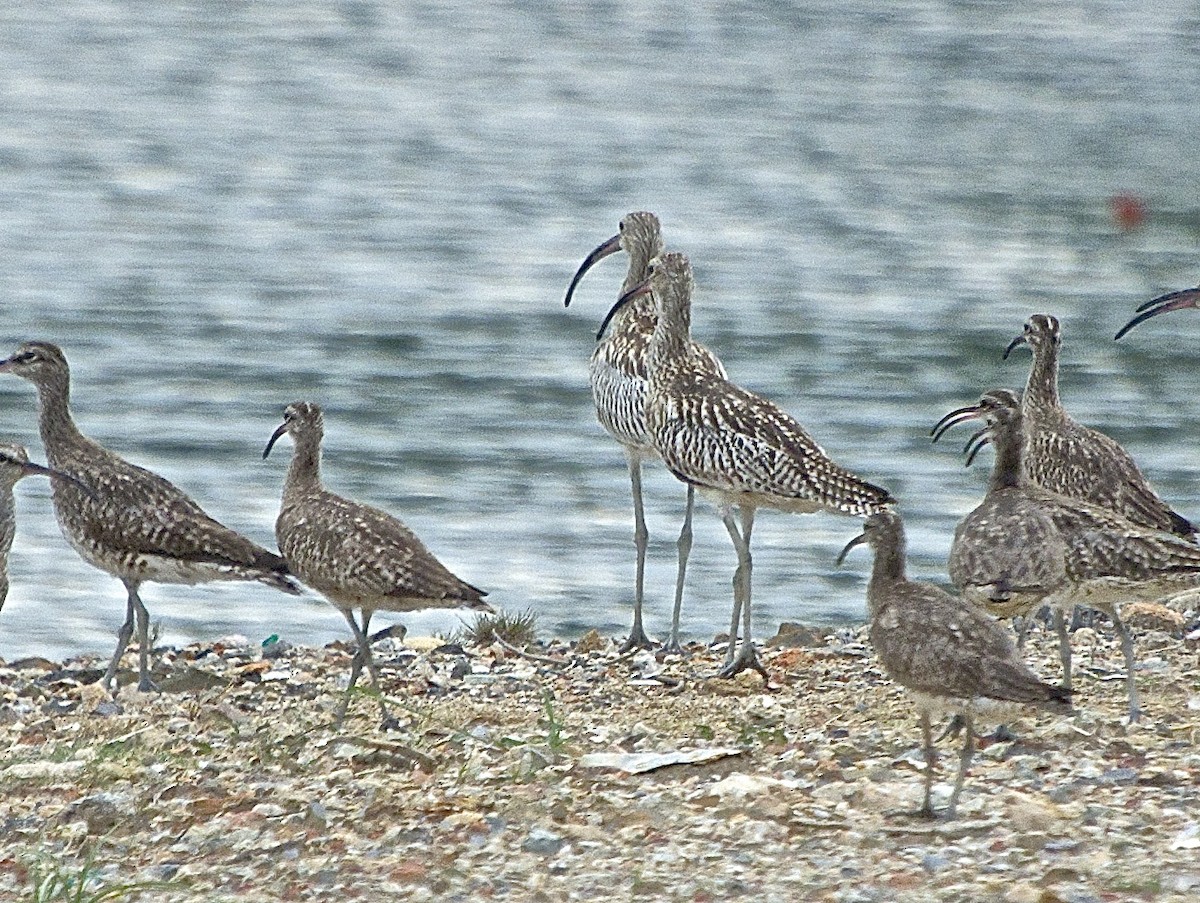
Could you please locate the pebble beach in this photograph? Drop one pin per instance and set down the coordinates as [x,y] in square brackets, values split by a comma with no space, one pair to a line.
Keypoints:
[567,771]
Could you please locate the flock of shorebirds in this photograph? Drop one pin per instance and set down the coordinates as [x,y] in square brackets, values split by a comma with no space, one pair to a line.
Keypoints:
[1067,520]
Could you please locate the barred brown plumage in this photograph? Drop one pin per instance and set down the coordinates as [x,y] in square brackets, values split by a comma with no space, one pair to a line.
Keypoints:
[948,654]
[1023,545]
[14,464]
[736,447]
[125,520]
[618,374]
[355,555]
[1066,457]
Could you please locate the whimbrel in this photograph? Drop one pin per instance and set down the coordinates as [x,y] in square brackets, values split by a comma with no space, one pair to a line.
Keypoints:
[14,464]
[355,555]
[617,369]
[739,449]
[1188,297]
[948,654]
[1066,457]
[1024,546]
[129,522]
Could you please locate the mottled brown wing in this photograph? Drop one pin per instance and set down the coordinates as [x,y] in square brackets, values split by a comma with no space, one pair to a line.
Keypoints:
[349,549]
[131,508]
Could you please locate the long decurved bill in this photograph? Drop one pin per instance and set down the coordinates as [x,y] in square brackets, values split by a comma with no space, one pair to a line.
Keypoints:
[1189,297]
[1019,340]
[976,444]
[279,431]
[609,247]
[28,468]
[642,288]
[856,541]
[955,417]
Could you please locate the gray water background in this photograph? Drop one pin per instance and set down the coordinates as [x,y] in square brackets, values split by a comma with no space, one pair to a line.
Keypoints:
[218,208]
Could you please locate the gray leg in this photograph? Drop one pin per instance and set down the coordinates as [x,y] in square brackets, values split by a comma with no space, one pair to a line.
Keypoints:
[1064,646]
[964,763]
[1135,710]
[641,536]
[735,619]
[145,684]
[1022,625]
[362,656]
[685,549]
[746,656]
[930,764]
[123,637]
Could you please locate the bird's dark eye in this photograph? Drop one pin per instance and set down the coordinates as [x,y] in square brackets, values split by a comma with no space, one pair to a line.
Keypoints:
[26,357]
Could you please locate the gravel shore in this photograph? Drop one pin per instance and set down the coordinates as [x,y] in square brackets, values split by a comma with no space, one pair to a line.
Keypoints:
[520,777]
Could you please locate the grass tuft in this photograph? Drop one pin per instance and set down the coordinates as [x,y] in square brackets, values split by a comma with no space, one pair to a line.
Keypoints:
[57,883]
[518,629]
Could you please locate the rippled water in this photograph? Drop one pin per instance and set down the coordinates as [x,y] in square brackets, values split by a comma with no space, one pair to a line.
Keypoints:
[220,208]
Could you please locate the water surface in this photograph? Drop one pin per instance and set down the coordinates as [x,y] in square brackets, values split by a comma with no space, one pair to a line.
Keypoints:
[217,209]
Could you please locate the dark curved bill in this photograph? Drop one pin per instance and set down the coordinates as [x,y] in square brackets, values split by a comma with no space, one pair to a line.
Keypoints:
[856,541]
[279,431]
[642,288]
[955,417]
[1019,340]
[609,247]
[30,468]
[975,445]
[1162,304]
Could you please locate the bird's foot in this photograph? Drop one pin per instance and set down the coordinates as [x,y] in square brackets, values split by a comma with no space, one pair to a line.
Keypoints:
[953,729]
[390,723]
[745,659]
[1003,735]
[637,640]
[926,813]
[673,647]
[146,685]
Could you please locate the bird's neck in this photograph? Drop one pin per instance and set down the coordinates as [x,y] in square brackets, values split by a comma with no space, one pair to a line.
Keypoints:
[887,570]
[672,336]
[304,471]
[640,256]
[1007,467]
[55,423]
[1041,390]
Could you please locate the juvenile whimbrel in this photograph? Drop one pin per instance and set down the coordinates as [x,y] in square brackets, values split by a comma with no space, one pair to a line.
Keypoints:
[1024,546]
[617,369]
[949,655]
[1074,460]
[130,522]
[355,555]
[737,448]
[14,464]
[1188,297]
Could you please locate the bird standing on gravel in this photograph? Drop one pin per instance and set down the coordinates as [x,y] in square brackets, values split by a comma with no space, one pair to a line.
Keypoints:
[739,449]
[617,369]
[949,655]
[355,555]
[1066,457]
[1023,546]
[127,521]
